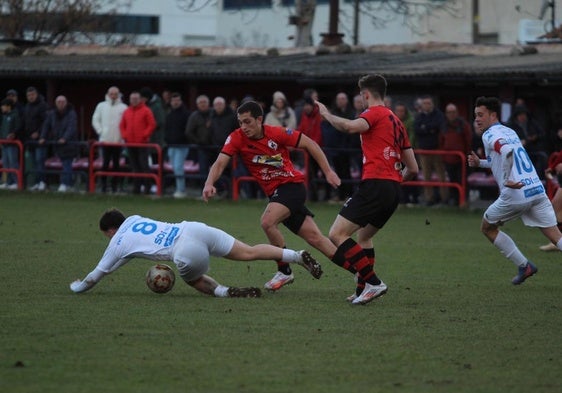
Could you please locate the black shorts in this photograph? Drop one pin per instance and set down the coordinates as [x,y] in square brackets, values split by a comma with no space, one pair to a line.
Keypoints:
[292,196]
[373,203]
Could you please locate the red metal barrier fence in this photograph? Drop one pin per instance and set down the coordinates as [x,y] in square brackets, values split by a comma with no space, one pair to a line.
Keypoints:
[461,187]
[93,173]
[94,170]
[20,170]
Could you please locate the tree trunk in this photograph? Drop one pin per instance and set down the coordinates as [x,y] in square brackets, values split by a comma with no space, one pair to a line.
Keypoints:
[303,21]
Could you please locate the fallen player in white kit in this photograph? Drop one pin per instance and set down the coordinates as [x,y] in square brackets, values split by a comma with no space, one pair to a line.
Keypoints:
[189,245]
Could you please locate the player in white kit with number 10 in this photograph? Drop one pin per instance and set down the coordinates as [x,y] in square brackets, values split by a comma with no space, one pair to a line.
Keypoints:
[522,193]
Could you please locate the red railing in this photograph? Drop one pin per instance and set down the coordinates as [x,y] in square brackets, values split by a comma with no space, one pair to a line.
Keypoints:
[236,180]
[461,187]
[19,172]
[93,173]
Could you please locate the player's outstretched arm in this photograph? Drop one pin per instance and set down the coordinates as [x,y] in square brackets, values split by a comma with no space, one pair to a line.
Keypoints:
[342,124]
[87,283]
[318,155]
[215,173]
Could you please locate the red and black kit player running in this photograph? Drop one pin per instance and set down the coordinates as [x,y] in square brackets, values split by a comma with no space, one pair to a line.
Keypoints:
[388,158]
[264,150]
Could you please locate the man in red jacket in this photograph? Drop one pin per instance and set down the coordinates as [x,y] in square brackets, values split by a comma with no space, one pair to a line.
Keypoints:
[456,137]
[137,125]
[309,125]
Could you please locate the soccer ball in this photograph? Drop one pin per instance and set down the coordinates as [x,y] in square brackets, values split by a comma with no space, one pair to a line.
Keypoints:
[160,278]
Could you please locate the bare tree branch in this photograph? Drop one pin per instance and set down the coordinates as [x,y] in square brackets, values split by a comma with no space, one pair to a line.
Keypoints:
[411,12]
[53,22]
[194,5]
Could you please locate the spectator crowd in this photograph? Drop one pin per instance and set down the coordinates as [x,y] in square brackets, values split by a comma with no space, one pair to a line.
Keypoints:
[146,117]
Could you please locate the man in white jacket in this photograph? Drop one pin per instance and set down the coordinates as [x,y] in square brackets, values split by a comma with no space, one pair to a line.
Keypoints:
[105,121]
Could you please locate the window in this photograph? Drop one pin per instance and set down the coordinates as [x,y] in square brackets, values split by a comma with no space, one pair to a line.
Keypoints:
[237,4]
[127,24]
[291,3]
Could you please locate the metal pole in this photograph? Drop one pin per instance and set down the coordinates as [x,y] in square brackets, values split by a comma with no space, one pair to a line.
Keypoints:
[553,13]
[333,37]
[356,23]
[475,22]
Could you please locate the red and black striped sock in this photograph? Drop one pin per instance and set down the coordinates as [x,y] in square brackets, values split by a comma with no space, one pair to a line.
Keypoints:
[340,257]
[370,253]
[352,258]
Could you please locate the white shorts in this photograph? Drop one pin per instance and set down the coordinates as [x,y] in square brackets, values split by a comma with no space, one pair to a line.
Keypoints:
[194,247]
[536,213]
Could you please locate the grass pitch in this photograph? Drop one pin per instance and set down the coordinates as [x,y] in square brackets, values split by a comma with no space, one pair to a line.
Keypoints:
[451,321]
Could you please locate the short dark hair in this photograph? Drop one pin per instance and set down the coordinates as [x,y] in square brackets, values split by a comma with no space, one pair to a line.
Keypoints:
[146,92]
[175,94]
[8,102]
[253,107]
[493,104]
[308,92]
[375,83]
[111,219]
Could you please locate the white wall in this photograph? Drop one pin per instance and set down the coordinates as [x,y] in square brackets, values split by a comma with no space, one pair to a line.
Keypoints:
[178,27]
[270,28]
[496,16]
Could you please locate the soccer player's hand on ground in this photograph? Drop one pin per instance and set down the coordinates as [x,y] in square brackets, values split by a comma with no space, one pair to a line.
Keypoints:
[74,285]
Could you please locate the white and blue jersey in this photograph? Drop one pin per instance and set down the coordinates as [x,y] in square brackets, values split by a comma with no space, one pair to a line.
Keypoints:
[143,238]
[494,139]
[189,244]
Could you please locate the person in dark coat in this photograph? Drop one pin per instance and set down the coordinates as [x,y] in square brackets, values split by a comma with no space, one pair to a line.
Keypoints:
[532,137]
[429,125]
[223,122]
[176,140]
[34,114]
[199,132]
[61,128]
[10,126]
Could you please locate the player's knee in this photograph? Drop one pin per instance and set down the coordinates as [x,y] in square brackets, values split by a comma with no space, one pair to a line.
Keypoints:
[336,236]
[267,224]
[490,231]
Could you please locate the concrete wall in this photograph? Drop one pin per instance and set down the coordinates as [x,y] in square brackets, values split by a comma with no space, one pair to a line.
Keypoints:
[269,27]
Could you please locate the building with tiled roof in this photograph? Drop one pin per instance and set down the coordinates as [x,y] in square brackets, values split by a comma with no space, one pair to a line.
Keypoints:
[456,73]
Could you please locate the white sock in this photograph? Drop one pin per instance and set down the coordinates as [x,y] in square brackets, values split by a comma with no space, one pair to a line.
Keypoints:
[559,244]
[508,248]
[221,291]
[290,256]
